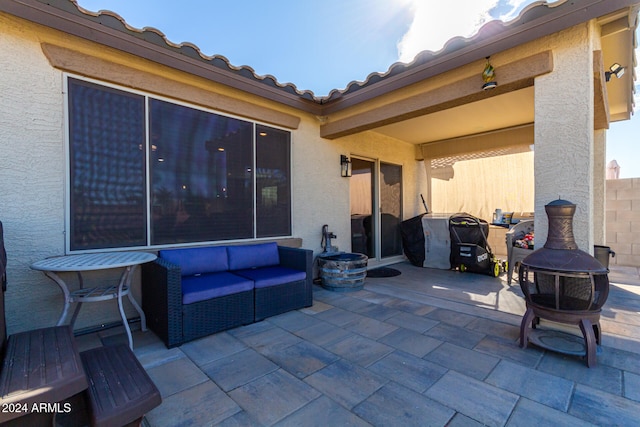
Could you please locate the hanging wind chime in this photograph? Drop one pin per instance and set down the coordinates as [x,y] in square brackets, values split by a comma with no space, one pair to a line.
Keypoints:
[489,76]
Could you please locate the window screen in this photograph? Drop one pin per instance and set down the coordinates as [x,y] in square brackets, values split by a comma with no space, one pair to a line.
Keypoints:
[107,167]
[273,189]
[211,177]
[201,175]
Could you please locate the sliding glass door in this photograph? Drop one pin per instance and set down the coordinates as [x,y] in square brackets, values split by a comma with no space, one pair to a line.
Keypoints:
[390,210]
[376,208]
[363,225]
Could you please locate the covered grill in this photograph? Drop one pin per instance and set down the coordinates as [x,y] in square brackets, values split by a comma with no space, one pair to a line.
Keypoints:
[563,284]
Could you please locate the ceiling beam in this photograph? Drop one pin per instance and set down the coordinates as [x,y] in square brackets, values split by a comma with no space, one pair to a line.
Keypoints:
[512,76]
[615,27]
[497,140]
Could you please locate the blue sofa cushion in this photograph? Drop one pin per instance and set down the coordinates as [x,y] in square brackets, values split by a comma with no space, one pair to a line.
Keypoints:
[252,256]
[272,276]
[207,286]
[198,260]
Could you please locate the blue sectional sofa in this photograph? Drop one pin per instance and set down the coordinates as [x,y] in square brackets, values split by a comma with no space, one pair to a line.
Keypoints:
[193,292]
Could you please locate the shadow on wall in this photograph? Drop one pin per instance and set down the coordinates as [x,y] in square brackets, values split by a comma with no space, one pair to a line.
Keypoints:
[480,186]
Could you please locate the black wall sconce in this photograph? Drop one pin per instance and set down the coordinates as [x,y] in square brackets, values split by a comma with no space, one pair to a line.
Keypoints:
[489,76]
[616,70]
[345,166]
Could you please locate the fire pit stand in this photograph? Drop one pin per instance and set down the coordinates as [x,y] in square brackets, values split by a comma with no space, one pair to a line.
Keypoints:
[553,306]
[563,284]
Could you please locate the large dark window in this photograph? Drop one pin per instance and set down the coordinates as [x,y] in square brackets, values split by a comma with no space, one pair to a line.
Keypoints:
[107,167]
[273,192]
[211,177]
[201,175]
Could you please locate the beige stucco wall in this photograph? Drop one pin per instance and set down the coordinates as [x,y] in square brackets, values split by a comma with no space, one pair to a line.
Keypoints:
[33,168]
[564,136]
[321,195]
[32,165]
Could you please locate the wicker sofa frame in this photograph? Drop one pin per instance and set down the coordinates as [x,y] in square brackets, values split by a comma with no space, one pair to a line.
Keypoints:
[176,323]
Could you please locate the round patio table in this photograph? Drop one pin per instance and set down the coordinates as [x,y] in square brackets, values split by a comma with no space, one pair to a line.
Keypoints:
[92,262]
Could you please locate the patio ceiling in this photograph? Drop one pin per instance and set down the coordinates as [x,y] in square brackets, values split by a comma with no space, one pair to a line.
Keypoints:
[499,112]
[618,45]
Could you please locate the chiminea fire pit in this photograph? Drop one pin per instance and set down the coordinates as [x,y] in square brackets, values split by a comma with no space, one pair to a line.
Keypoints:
[563,284]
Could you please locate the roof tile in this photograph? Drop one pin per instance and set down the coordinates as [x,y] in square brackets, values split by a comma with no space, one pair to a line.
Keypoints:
[491,30]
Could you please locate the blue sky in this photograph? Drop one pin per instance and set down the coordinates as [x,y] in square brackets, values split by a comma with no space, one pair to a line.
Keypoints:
[320,45]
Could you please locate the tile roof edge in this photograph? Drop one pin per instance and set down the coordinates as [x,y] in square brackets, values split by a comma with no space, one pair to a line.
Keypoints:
[453,44]
[157,37]
[534,14]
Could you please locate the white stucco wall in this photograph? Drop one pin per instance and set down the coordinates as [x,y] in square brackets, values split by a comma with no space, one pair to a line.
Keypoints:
[33,165]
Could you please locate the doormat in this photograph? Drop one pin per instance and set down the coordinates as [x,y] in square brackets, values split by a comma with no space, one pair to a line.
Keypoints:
[383,272]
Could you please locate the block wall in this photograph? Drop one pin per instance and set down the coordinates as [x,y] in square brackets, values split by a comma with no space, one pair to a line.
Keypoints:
[623,221]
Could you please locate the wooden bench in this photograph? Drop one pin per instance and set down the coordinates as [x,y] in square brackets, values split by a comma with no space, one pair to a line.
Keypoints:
[120,391]
[36,367]
[41,369]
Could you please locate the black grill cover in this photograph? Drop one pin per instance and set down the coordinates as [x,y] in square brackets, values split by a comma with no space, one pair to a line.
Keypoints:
[413,240]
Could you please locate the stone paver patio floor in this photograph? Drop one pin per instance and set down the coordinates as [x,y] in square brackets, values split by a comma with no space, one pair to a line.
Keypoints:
[426,348]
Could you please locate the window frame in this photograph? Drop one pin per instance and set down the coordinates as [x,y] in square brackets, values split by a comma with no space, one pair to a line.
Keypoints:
[148,197]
